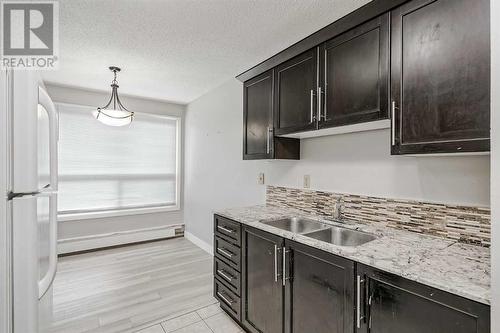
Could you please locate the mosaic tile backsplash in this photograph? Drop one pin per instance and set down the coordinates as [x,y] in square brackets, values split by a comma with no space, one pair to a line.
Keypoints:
[465,224]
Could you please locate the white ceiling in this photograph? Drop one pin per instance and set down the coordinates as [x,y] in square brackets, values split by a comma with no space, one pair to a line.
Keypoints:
[177,50]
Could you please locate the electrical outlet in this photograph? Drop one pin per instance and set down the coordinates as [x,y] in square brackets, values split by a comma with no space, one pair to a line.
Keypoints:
[307,181]
[260,180]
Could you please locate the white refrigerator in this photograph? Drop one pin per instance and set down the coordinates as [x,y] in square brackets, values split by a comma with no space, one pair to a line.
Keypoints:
[29,130]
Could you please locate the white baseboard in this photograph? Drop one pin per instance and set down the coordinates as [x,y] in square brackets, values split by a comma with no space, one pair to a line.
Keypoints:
[200,243]
[76,244]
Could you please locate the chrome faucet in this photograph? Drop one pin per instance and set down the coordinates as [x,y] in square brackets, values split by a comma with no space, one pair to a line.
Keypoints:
[338,209]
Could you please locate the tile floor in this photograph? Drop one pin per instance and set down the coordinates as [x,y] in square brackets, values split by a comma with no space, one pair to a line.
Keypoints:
[210,319]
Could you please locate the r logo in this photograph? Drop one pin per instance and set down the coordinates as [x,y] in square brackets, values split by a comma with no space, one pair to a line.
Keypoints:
[28,29]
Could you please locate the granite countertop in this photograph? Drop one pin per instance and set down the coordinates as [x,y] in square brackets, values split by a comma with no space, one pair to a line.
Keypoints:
[454,267]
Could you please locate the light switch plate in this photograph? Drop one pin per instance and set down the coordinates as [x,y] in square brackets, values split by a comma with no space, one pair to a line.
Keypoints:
[260,180]
[307,181]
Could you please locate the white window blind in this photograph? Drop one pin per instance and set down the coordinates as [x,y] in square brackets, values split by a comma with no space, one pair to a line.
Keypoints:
[104,168]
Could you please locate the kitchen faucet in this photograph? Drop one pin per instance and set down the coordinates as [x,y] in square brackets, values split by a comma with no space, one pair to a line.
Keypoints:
[338,209]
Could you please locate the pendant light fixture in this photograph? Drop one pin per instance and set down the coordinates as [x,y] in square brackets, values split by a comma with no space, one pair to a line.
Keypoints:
[114,113]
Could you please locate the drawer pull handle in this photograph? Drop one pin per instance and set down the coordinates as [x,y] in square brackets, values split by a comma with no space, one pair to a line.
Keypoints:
[225,275]
[225,229]
[227,300]
[225,252]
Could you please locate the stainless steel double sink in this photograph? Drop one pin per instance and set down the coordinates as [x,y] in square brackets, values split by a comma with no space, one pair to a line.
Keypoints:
[321,231]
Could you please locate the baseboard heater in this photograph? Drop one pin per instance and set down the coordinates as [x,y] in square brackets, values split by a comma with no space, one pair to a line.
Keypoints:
[94,242]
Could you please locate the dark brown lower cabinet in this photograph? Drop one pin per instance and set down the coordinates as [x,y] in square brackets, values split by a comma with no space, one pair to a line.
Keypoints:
[288,287]
[315,294]
[262,289]
[392,304]
[319,291]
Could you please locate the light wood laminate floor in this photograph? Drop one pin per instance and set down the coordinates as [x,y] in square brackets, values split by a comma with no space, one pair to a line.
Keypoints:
[136,287]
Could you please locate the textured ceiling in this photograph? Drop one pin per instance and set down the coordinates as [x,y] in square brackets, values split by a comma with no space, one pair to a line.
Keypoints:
[177,50]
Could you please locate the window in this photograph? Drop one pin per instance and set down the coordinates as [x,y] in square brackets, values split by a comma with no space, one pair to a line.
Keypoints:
[105,168]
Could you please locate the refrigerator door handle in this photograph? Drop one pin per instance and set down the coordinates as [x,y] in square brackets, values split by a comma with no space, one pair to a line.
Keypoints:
[46,102]
[45,283]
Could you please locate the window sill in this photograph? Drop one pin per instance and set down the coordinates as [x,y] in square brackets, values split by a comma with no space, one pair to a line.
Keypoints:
[114,213]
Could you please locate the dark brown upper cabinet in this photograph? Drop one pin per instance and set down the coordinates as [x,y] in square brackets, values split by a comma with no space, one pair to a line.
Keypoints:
[425,64]
[440,77]
[258,137]
[354,74]
[258,117]
[295,88]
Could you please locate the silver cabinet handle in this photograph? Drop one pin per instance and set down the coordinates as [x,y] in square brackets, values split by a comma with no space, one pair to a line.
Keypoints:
[393,123]
[319,105]
[312,105]
[276,275]
[359,317]
[283,274]
[225,252]
[226,300]
[225,275]
[225,229]
[268,143]
[370,318]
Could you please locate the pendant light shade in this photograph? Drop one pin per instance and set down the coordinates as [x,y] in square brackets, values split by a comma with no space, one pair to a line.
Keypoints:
[114,113]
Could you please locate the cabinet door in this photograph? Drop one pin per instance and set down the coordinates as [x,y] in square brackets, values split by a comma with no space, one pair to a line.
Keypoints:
[257,117]
[319,292]
[262,290]
[355,76]
[295,101]
[440,76]
[396,305]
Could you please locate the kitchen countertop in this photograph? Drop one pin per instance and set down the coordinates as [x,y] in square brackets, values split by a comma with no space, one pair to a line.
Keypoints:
[454,267]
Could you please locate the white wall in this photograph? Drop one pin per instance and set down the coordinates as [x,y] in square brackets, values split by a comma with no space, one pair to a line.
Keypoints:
[495,163]
[91,227]
[215,175]
[360,163]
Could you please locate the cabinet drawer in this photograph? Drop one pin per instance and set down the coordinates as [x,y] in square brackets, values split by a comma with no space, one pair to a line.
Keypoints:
[228,275]
[228,229]
[228,300]
[228,252]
